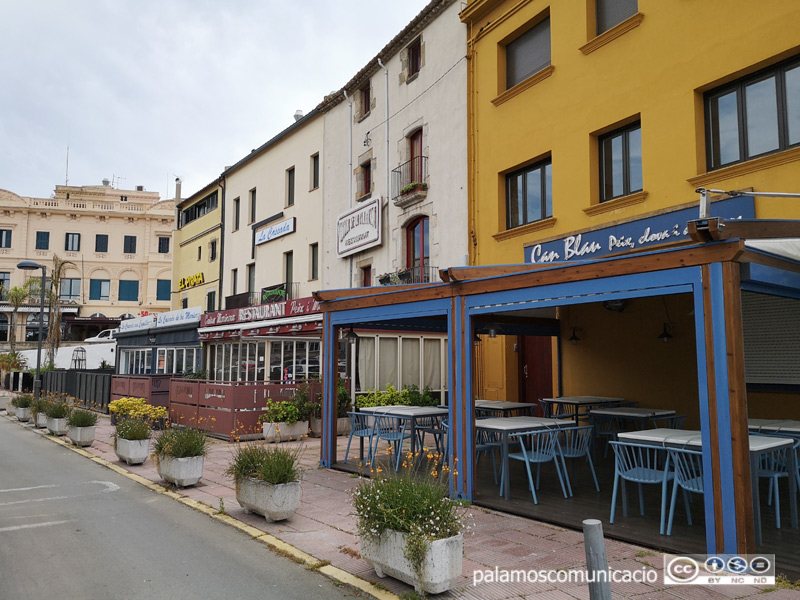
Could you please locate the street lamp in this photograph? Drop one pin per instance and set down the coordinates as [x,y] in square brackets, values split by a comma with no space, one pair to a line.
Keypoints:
[32,265]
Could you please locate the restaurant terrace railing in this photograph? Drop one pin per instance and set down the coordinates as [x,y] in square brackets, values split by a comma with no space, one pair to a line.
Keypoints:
[410,181]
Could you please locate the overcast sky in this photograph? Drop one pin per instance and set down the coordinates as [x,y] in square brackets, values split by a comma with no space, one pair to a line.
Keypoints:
[144,90]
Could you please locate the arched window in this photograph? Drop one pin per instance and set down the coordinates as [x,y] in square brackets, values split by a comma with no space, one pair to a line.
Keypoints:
[418,249]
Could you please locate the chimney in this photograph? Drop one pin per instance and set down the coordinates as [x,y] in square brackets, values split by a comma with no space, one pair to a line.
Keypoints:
[139,188]
[298,114]
[178,189]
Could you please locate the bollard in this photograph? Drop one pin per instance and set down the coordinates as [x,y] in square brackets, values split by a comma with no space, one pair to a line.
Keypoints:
[596,561]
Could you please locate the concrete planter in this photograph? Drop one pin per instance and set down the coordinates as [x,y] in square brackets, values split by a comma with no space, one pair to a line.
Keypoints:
[273,502]
[132,452]
[342,426]
[11,410]
[41,420]
[4,400]
[282,432]
[441,569]
[81,436]
[182,472]
[24,414]
[57,426]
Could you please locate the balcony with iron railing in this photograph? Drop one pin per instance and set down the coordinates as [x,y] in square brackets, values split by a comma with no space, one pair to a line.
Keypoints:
[410,275]
[410,182]
[255,298]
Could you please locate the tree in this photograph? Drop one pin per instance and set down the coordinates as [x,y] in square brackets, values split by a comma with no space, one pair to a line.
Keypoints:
[17,296]
[54,326]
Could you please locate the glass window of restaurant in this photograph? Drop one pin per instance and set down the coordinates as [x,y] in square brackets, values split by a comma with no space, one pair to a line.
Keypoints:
[177,360]
[265,360]
[400,361]
[136,361]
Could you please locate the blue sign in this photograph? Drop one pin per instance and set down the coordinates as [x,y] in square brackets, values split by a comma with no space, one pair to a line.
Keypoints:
[652,231]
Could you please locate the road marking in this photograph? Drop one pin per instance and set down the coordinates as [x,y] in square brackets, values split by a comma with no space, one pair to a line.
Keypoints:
[107,485]
[34,525]
[27,489]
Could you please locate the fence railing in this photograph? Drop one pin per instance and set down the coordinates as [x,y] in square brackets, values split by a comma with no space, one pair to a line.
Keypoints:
[90,388]
[409,177]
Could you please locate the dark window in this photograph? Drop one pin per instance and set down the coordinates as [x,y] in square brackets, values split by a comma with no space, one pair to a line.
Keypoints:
[101,242]
[72,243]
[236,214]
[185,303]
[288,266]
[315,171]
[757,115]
[198,209]
[129,244]
[163,289]
[529,194]
[314,260]
[163,245]
[70,289]
[290,187]
[614,12]
[199,252]
[5,238]
[212,251]
[42,240]
[366,179]
[211,301]
[253,205]
[234,281]
[415,57]
[528,54]
[366,276]
[418,248]
[415,153]
[128,290]
[621,162]
[366,99]
[251,278]
[99,289]
[5,284]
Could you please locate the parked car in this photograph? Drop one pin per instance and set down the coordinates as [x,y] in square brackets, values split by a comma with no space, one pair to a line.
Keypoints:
[107,335]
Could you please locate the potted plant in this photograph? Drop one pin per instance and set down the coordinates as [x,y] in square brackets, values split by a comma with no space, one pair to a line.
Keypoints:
[38,413]
[23,403]
[267,480]
[410,529]
[132,441]
[404,274]
[285,419]
[11,407]
[385,278]
[137,408]
[57,412]
[179,453]
[81,424]
[342,407]
[414,186]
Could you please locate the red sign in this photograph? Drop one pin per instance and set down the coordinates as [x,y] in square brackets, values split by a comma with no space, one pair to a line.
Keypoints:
[276,310]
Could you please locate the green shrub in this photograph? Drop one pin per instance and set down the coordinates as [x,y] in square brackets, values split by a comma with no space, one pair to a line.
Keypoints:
[273,465]
[410,396]
[281,411]
[79,417]
[23,401]
[342,400]
[132,429]
[57,410]
[182,442]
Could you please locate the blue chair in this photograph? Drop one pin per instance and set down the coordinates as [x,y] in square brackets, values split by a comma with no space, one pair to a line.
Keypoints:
[487,441]
[606,427]
[433,426]
[640,463]
[576,442]
[391,429]
[775,466]
[538,447]
[688,465]
[361,426]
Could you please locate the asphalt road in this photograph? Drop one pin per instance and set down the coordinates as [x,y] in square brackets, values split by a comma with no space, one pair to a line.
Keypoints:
[70,528]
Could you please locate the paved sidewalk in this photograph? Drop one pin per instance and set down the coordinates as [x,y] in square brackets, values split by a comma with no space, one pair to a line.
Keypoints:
[324,528]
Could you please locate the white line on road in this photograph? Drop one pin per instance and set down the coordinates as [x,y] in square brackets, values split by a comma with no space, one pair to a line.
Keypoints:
[33,525]
[107,485]
[27,489]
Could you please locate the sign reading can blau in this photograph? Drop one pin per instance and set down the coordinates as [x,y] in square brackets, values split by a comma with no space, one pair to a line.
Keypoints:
[652,231]
[275,231]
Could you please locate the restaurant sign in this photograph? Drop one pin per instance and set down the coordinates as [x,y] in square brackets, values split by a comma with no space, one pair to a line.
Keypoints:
[137,323]
[649,232]
[191,281]
[275,231]
[287,308]
[182,315]
[273,293]
[359,228]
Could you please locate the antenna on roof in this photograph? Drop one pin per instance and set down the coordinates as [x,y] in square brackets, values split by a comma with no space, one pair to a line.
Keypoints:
[66,177]
[115,180]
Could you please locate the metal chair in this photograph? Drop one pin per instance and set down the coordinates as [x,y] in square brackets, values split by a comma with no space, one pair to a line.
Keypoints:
[576,442]
[487,441]
[606,427]
[361,426]
[391,429]
[430,425]
[640,463]
[775,466]
[538,447]
[554,410]
[688,465]
[670,422]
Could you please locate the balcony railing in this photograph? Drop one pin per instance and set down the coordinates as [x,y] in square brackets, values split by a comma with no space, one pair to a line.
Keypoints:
[254,298]
[410,181]
[424,274]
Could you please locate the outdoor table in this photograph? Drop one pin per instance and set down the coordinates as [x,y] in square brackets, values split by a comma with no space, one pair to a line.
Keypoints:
[580,405]
[504,407]
[639,415]
[508,425]
[759,445]
[786,426]
[410,413]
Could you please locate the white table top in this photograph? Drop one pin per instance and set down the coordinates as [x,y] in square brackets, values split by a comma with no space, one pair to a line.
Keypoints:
[691,439]
[774,425]
[633,411]
[581,400]
[407,411]
[521,423]
[502,404]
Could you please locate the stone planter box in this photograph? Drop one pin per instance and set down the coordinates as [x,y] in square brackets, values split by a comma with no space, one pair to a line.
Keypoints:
[441,569]
[273,502]
[182,472]
[41,420]
[57,426]
[81,436]
[342,426]
[132,452]
[282,432]
[4,400]
[11,410]
[24,414]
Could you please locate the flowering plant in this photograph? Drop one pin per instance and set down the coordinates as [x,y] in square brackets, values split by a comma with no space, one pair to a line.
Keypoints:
[414,501]
[137,408]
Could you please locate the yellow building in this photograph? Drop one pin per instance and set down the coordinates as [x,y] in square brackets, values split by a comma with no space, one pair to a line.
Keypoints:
[197,261]
[586,116]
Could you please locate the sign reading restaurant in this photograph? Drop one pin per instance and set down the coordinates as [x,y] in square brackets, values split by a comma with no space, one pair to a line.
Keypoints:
[359,228]
[287,308]
[275,231]
[651,231]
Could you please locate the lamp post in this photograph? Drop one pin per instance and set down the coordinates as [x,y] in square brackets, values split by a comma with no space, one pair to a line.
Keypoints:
[31,265]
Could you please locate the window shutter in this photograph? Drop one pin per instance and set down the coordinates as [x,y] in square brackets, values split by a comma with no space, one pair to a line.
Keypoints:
[528,54]
[614,12]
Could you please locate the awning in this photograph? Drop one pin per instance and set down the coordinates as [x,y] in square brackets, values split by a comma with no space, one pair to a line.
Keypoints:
[287,325]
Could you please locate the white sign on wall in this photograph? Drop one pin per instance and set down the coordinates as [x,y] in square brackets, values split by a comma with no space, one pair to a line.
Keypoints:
[359,228]
[275,231]
[182,315]
[137,323]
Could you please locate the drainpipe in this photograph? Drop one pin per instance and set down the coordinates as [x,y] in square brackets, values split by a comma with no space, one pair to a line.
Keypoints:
[350,169]
[386,72]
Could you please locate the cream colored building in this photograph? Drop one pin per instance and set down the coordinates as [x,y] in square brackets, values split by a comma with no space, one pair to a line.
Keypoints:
[118,243]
